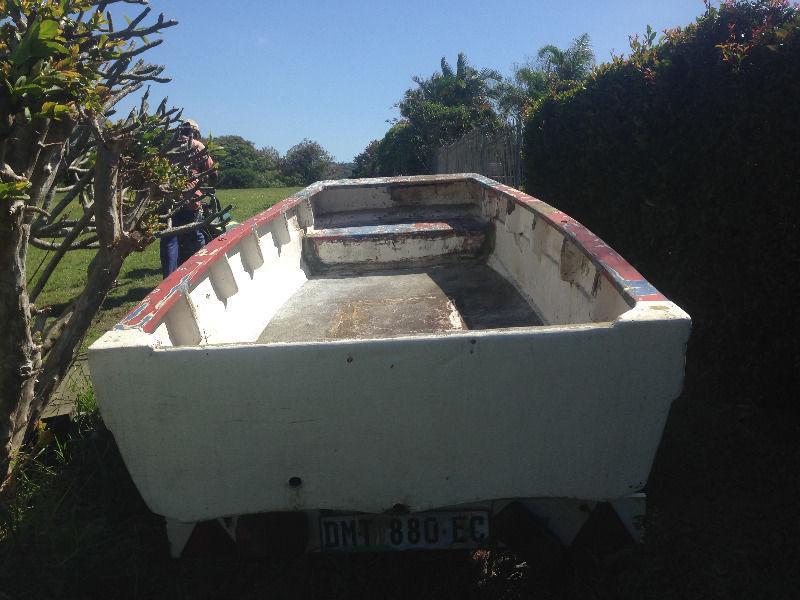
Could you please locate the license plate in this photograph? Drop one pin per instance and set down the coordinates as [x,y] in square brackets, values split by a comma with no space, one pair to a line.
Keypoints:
[431,530]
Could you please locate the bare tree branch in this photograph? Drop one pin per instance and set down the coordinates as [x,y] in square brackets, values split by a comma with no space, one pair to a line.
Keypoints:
[43,245]
[90,243]
[49,229]
[48,200]
[143,199]
[143,48]
[79,143]
[137,77]
[58,233]
[123,92]
[85,179]
[36,209]
[55,330]
[197,225]
[8,174]
[131,32]
[201,175]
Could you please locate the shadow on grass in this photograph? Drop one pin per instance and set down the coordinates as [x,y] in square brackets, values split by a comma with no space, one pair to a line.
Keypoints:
[113,300]
[142,272]
[75,525]
[132,294]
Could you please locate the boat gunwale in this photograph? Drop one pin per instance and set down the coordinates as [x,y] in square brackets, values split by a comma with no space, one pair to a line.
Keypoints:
[150,312]
[469,337]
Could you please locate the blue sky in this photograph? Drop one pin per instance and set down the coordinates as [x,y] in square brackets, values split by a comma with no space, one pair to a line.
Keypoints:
[276,72]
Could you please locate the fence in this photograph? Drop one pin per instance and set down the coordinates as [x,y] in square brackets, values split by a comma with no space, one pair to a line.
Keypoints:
[497,154]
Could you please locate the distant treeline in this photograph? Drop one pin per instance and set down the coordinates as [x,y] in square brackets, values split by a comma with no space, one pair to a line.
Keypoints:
[242,165]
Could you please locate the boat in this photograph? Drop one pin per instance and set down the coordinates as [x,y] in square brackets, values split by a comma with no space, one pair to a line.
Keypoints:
[383,357]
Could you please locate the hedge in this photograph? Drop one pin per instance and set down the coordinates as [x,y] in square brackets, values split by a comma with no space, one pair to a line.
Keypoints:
[685,158]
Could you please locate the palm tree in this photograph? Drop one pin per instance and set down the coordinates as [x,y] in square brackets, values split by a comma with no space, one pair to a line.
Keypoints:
[553,70]
[466,86]
[517,93]
[444,106]
[572,64]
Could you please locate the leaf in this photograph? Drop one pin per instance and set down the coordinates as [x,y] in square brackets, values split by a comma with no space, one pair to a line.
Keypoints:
[56,47]
[22,52]
[48,29]
[14,190]
[54,110]
[38,42]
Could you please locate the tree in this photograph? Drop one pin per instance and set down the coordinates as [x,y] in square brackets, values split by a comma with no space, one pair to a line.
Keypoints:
[572,64]
[306,163]
[519,92]
[448,104]
[401,152]
[237,153]
[239,179]
[553,70]
[466,86]
[241,165]
[364,162]
[439,110]
[340,170]
[64,66]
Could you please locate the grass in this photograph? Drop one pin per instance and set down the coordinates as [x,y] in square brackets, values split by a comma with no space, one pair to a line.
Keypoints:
[141,272]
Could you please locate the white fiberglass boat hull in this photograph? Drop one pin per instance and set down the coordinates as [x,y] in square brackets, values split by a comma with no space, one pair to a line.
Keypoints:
[212,423]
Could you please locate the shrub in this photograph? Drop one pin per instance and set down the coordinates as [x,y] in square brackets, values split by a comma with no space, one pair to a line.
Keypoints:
[400,152]
[683,157]
[364,163]
[306,163]
[239,178]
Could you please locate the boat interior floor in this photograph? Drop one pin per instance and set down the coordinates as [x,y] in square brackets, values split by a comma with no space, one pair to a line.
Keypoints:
[392,303]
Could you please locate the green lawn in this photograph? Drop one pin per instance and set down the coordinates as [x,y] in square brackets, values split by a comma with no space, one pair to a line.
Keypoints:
[142,271]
